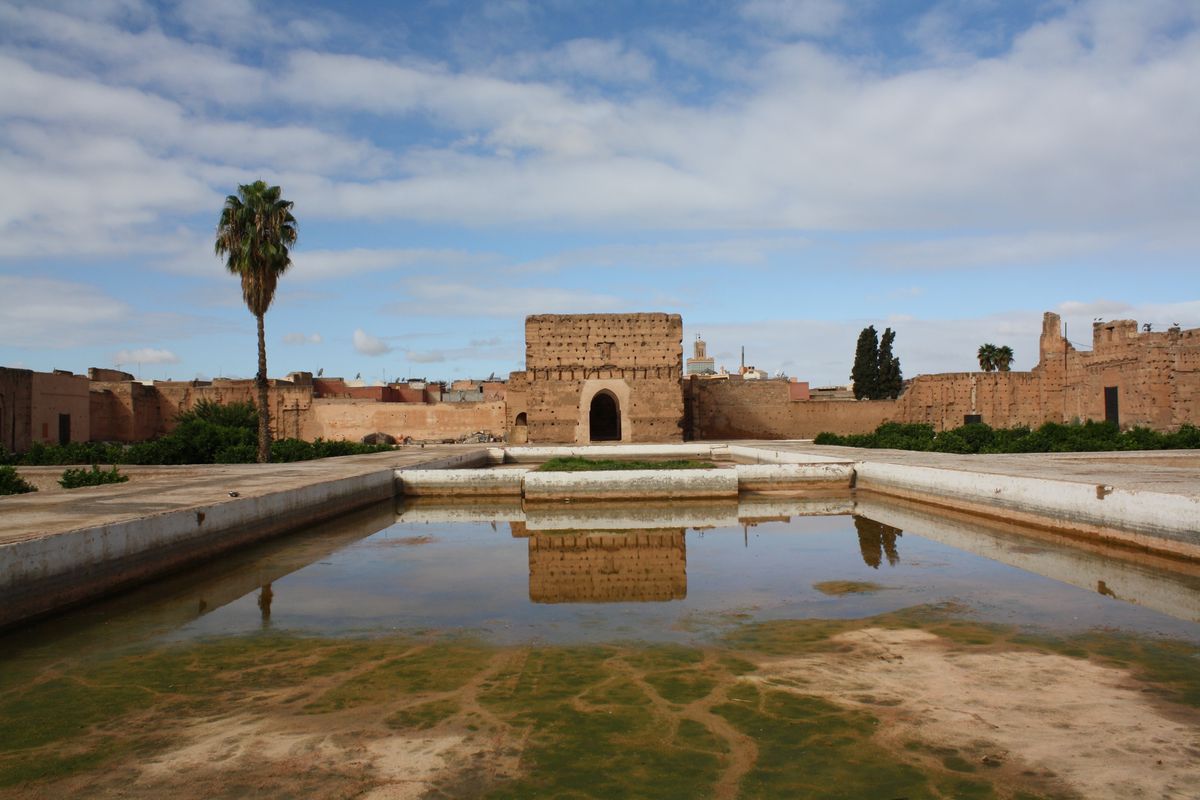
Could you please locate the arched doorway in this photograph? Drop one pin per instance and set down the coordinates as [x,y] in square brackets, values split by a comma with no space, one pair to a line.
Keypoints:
[520,431]
[604,418]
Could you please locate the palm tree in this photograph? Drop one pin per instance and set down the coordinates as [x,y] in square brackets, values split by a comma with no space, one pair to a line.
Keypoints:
[987,357]
[1003,358]
[254,234]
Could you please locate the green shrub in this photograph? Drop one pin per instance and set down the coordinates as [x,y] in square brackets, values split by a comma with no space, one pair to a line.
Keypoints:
[283,450]
[55,455]
[236,454]
[952,442]
[12,483]
[1052,437]
[77,478]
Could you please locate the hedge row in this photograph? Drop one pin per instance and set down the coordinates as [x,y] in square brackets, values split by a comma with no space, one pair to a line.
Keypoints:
[210,433]
[1049,438]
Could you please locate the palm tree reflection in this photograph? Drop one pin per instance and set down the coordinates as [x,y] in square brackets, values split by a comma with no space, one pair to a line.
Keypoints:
[876,540]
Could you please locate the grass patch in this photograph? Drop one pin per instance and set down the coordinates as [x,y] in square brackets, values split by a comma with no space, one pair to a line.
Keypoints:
[580,464]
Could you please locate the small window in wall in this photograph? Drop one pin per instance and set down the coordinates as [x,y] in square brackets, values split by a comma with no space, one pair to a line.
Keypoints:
[45,431]
[64,428]
[972,419]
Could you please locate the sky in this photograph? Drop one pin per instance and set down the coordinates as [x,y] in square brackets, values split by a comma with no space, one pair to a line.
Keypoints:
[781,174]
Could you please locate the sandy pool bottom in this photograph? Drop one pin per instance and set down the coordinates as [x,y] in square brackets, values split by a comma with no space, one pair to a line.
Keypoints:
[914,704]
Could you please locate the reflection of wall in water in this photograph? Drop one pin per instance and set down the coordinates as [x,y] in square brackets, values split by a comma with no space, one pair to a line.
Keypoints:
[875,540]
[606,567]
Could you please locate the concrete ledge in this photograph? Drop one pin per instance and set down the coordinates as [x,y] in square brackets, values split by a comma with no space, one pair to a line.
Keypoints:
[791,477]
[460,482]
[47,573]
[474,458]
[1163,584]
[631,485]
[1159,522]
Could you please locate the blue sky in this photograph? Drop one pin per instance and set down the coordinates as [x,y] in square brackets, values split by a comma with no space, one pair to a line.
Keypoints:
[780,173]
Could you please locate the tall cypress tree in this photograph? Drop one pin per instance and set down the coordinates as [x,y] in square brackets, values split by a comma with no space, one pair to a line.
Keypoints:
[865,373]
[890,379]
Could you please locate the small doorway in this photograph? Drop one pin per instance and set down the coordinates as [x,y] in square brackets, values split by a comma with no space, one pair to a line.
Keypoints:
[64,428]
[520,431]
[604,418]
[1112,409]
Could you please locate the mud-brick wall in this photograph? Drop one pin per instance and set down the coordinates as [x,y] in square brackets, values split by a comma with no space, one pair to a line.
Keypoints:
[737,409]
[614,567]
[16,409]
[290,405]
[638,358]
[124,411]
[57,394]
[1001,399]
[593,341]
[354,419]
[1155,374]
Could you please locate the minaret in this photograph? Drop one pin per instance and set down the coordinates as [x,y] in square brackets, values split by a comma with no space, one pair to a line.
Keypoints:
[699,363]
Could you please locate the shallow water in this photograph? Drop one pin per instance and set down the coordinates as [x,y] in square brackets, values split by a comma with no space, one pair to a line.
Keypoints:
[419,615]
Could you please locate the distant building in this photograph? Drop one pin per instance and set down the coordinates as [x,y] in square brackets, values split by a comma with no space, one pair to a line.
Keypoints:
[700,363]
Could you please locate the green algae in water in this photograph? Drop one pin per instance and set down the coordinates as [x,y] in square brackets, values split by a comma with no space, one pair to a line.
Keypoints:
[809,747]
[424,715]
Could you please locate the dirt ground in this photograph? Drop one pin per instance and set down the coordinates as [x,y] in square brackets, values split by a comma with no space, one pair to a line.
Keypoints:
[1090,726]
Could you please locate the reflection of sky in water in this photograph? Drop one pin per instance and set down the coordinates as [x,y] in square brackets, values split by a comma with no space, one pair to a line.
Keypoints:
[473,577]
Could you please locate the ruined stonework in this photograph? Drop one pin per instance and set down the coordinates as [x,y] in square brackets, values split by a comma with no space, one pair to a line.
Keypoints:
[1131,376]
[608,567]
[600,377]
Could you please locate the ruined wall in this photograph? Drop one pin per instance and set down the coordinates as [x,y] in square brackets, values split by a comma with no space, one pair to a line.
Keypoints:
[599,567]
[1000,399]
[1154,373]
[354,419]
[636,358]
[737,409]
[124,411]
[54,394]
[16,409]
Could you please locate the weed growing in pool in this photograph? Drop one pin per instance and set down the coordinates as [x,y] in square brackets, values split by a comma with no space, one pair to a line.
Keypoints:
[580,464]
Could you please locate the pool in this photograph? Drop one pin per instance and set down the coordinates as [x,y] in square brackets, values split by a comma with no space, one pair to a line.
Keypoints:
[812,647]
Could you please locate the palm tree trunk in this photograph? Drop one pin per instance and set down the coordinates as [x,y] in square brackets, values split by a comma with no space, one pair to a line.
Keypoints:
[264,411]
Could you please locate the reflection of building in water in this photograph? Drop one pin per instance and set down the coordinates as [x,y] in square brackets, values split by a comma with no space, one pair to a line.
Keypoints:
[876,540]
[607,566]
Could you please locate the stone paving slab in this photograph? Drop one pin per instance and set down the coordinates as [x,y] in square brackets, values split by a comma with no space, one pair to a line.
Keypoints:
[158,490]
[1169,471]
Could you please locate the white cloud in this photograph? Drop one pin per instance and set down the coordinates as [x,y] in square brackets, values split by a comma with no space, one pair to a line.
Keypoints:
[431,296]
[302,338]
[145,355]
[324,264]
[979,251]
[742,252]
[425,356]
[43,312]
[602,60]
[797,17]
[1095,308]
[370,345]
